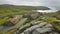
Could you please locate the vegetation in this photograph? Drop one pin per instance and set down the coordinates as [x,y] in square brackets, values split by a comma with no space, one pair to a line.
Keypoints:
[9,10]
[3,20]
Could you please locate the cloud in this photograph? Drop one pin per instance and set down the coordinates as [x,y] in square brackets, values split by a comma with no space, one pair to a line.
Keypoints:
[55,4]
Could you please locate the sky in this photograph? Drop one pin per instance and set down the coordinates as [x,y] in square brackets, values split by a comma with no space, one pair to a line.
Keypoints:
[54,4]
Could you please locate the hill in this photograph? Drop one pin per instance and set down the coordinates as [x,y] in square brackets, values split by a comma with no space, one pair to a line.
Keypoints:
[12,9]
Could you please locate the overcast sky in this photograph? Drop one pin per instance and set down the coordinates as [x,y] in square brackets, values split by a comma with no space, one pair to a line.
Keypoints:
[55,4]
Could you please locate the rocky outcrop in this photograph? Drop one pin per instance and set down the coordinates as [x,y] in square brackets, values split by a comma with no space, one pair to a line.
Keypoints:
[13,20]
[31,15]
[34,27]
[58,21]
[42,28]
[21,29]
[31,27]
[10,30]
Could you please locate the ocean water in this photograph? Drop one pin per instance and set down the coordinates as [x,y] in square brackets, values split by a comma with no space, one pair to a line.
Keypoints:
[47,11]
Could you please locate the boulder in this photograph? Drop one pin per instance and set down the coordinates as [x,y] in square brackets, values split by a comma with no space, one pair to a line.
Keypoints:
[13,20]
[41,30]
[48,26]
[31,15]
[58,21]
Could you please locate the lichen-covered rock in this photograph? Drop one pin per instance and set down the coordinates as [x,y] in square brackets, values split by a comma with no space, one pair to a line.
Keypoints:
[42,28]
[32,15]
[1,27]
[24,27]
[34,27]
[12,29]
[13,20]
[53,32]
[48,26]
[58,21]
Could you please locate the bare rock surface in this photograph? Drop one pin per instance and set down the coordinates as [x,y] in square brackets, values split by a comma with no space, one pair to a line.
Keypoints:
[42,28]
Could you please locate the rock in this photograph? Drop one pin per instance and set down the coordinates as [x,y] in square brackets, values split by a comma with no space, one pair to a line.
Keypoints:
[58,21]
[43,23]
[13,20]
[1,27]
[43,30]
[34,16]
[31,29]
[31,15]
[32,23]
[53,32]
[34,27]
[21,29]
[35,22]
[15,27]
[35,32]
[48,26]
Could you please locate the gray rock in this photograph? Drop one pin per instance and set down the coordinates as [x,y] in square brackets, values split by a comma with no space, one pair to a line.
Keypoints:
[1,27]
[35,32]
[35,22]
[19,24]
[43,30]
[53,33]
[32,23]
[34,16]
[58,21]
[48,26]
[34,27]
[14,19]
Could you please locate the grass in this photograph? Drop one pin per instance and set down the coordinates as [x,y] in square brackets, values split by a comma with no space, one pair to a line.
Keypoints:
[57,26]
[3,20]
[6,11]
[17,26]
[10,12]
